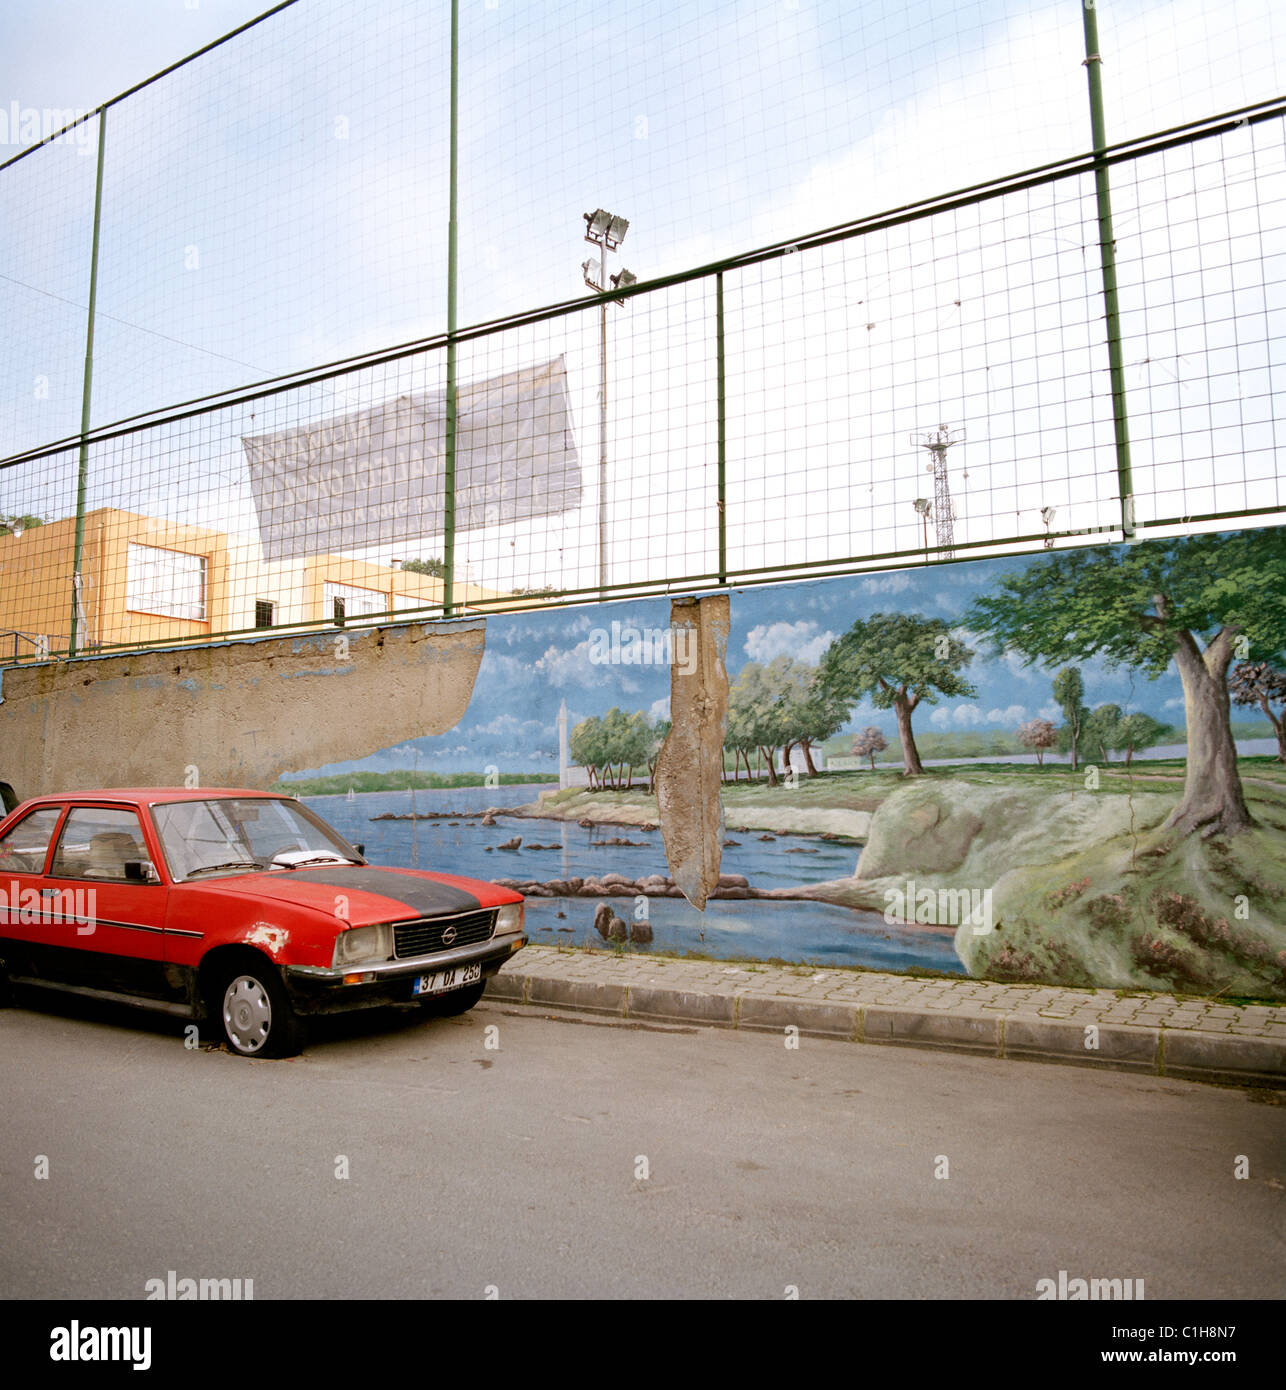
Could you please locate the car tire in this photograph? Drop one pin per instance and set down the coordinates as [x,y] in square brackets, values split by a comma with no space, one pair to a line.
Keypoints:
[252,1011]
[458,1001]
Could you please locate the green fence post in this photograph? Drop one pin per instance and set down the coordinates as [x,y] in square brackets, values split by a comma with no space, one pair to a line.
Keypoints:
[448,517]
[723,429]
[82,472]
[1107,255]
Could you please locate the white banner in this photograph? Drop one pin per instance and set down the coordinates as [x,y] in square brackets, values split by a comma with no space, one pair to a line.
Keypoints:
[377,475]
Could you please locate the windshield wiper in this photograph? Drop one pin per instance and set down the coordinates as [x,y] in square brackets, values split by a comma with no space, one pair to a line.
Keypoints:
[234,864]
[280,861]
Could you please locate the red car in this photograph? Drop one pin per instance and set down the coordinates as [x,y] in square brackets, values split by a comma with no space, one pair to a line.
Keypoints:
[240,907]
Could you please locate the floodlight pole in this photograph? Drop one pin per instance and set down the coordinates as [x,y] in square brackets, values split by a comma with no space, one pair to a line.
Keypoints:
[601,240]
[1107,257]
[602,447]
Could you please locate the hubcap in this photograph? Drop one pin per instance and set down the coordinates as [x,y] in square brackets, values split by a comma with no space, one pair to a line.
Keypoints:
[247,1014]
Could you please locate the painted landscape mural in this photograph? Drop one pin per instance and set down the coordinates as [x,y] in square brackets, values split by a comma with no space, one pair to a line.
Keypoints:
[1068,767]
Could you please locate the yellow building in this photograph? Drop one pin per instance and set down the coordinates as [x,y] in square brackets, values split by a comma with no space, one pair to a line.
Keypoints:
[146,580]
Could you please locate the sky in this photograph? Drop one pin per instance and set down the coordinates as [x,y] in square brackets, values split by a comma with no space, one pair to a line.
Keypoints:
[281,203]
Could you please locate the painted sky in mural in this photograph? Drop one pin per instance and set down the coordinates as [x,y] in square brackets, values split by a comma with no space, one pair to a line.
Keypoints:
[535,661]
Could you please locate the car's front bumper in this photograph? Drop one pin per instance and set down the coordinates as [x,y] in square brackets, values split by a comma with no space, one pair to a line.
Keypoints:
[318,989]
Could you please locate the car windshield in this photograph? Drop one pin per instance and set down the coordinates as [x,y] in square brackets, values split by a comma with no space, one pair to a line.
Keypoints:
[244,835]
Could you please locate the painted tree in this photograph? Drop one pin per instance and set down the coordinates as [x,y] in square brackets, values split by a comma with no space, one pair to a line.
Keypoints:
[899,660]
[588,746]
[1137,731]
[739,737]
[1191,600]
[627,744]
[1039,735]
[1069,691]
[1100,730]
[757,711]
[1256,683]
[868,743]
[656,740]
[809,714]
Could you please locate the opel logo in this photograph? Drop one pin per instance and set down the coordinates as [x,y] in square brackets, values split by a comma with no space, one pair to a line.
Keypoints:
[448,936]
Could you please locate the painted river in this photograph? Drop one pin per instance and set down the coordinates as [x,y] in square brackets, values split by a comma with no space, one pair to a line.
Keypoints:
[804,932]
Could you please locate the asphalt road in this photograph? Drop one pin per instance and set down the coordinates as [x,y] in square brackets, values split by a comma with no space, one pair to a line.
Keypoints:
[519,1168]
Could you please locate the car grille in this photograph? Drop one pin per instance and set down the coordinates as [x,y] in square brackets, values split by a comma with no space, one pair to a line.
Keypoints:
[425,935]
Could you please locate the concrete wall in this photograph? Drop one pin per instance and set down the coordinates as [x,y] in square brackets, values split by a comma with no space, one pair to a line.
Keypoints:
[240,713]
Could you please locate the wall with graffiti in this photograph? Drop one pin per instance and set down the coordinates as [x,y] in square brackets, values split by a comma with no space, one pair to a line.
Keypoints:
[1067,767]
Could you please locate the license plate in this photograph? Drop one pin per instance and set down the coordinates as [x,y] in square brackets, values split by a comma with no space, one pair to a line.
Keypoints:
[447,979]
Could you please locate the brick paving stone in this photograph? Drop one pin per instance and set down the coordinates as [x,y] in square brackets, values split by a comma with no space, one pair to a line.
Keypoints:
[597,978]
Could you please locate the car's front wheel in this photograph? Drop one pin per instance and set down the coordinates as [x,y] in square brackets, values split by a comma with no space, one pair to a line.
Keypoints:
[255,1014]
[456,1001]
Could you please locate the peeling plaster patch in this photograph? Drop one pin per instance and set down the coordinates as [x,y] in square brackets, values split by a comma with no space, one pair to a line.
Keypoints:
[62,726]
[271,938]
[689,773]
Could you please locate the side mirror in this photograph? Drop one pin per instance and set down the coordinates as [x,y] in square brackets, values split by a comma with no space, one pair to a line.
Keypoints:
[361,849]
[141,871]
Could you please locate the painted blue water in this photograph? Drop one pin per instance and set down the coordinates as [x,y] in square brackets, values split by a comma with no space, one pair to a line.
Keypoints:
[804,932]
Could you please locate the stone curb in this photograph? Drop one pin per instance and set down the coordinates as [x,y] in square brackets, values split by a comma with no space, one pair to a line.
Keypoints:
[1181,1053]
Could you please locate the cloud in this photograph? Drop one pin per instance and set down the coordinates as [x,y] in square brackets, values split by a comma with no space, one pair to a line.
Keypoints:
[972,717]
[896,583]
[801,640]
[508,726]
[570,666]
[660,709]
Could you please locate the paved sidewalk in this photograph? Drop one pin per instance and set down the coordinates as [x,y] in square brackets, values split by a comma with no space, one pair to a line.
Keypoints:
[1195,1039]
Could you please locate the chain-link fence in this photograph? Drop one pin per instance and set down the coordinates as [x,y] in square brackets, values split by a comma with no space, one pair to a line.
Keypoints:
[944,379]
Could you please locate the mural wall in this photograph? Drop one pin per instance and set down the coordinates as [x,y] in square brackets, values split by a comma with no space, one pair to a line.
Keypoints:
[1067,767]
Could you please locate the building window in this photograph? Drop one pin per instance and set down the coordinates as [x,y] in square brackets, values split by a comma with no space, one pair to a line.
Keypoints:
[346,601]
[265,612]
[167,583]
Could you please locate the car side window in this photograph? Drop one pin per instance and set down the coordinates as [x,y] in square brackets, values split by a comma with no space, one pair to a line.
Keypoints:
[23,849]
[97,843]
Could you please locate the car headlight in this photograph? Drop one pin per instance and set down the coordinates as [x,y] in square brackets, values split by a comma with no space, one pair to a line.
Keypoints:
[363,943]
[509,918]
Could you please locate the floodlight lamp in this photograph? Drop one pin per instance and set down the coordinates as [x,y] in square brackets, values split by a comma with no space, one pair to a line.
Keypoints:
[616,230]
[1047,515]
[597,222]
[16,528]
[593,273]
[923,505]
[623,279]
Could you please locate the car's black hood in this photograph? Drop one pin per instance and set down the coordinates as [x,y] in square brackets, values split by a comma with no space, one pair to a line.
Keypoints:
[424,896]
